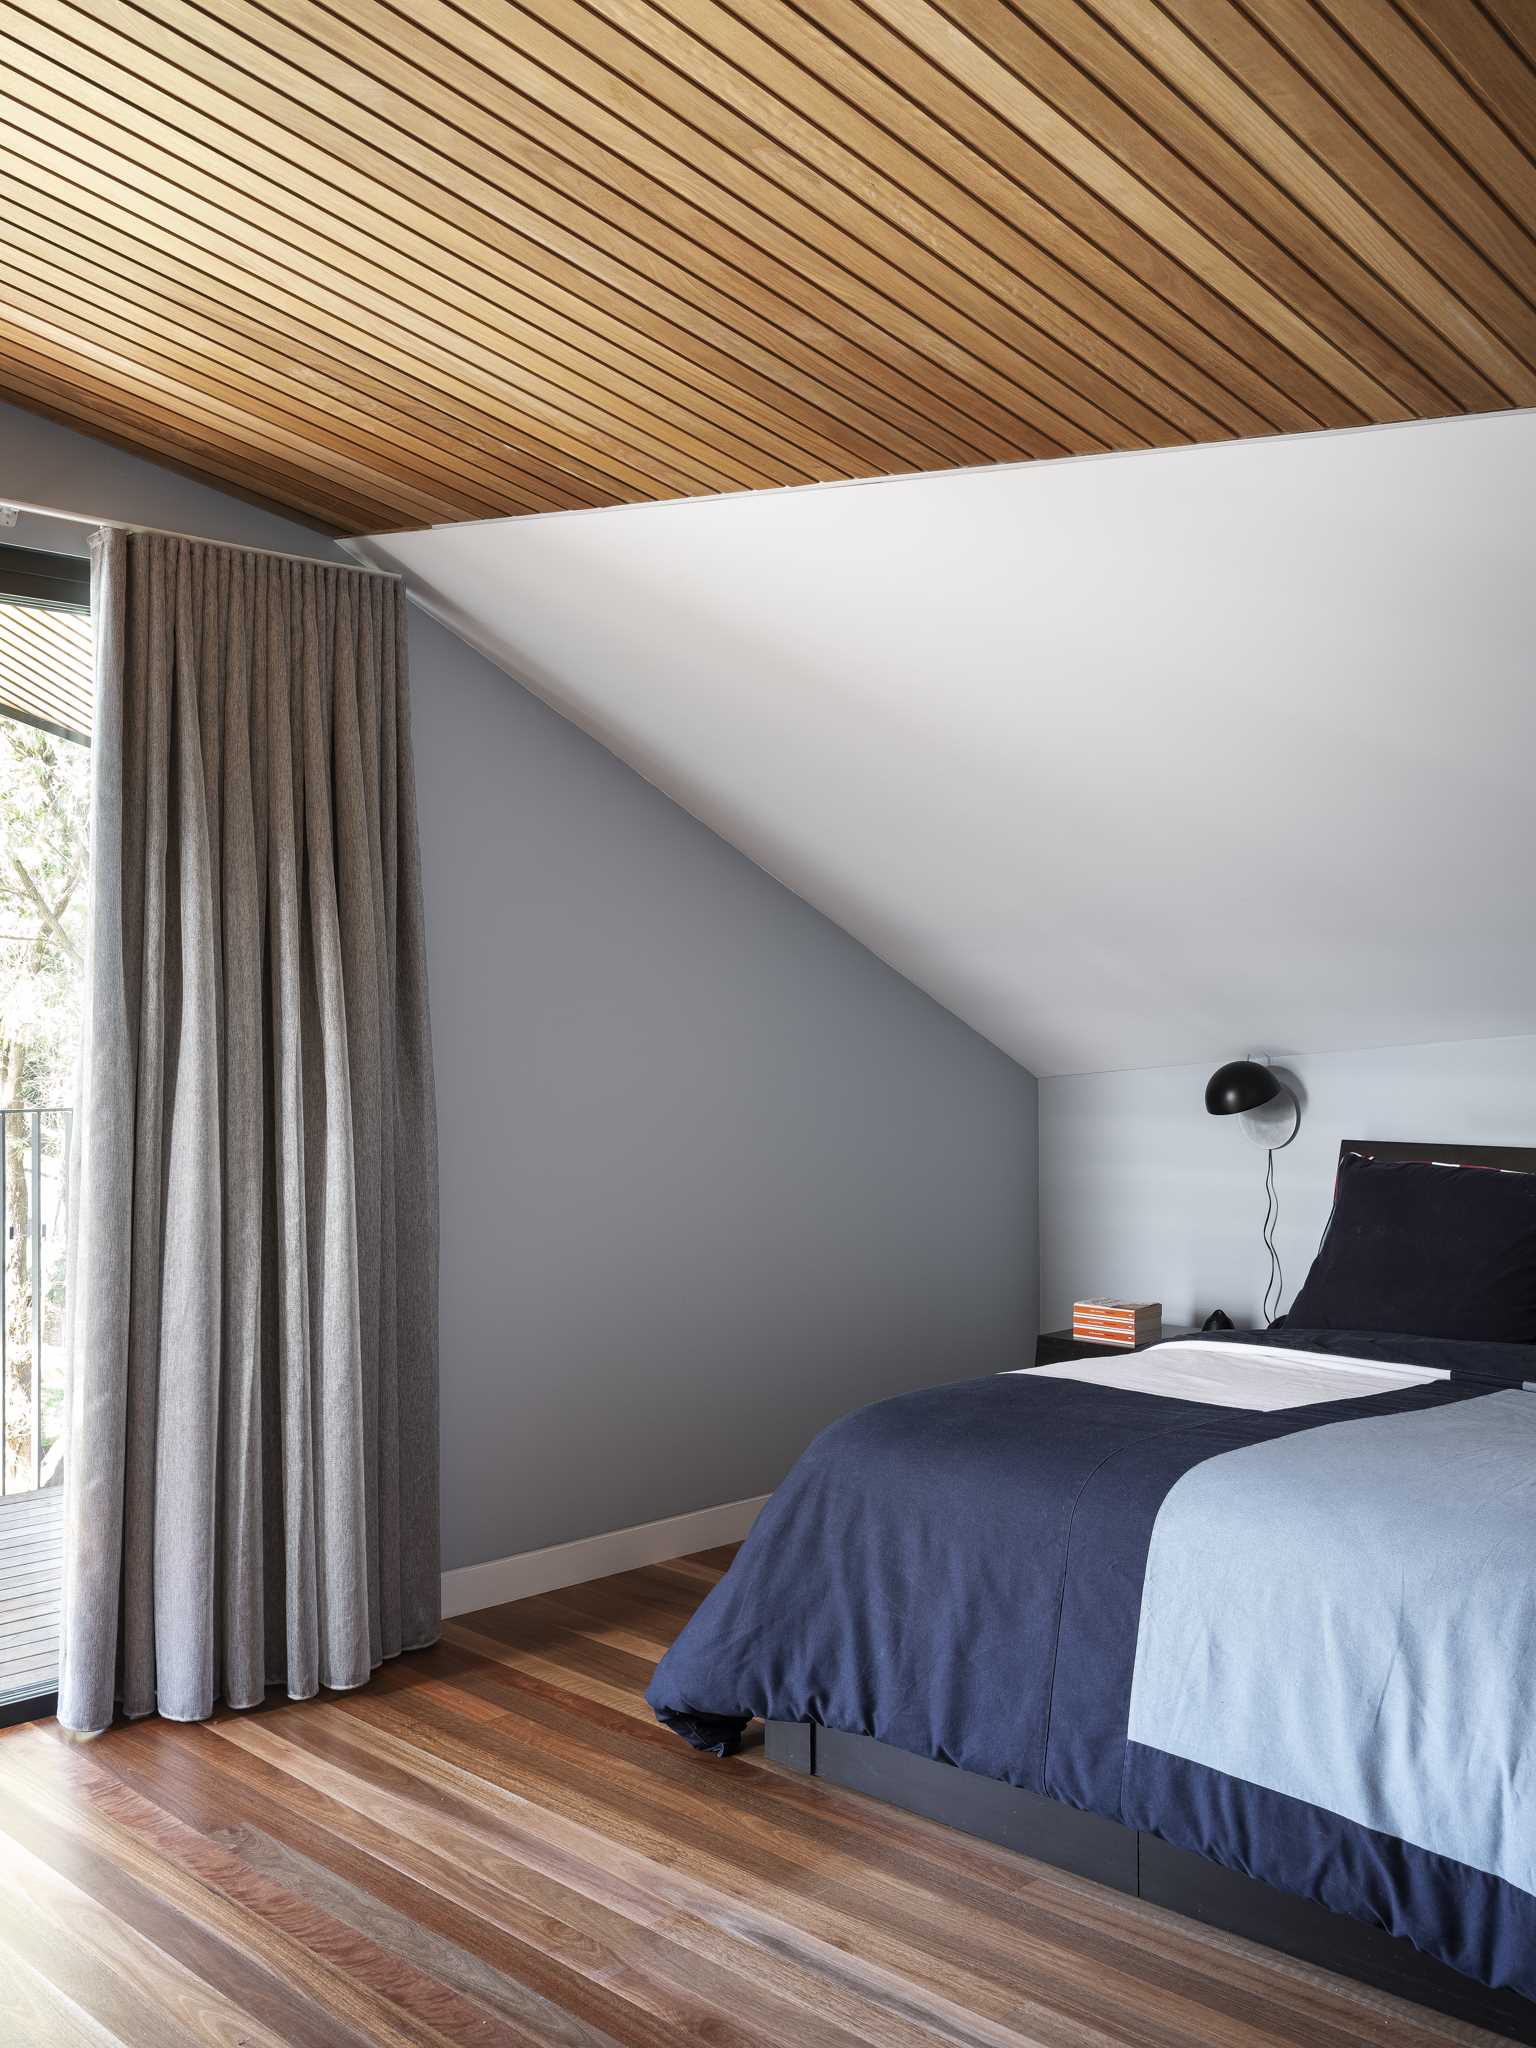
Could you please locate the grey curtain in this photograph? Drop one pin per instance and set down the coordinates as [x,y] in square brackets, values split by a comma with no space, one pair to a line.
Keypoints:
[251,1460]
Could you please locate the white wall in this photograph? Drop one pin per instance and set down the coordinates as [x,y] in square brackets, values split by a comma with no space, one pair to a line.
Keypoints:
[1143,1194]
[1055,739]
[712,1174]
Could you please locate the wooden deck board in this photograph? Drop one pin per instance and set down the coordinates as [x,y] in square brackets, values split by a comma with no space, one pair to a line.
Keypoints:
[31,1554]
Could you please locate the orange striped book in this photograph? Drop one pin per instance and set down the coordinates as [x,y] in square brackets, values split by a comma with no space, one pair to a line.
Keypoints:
[1126,1323]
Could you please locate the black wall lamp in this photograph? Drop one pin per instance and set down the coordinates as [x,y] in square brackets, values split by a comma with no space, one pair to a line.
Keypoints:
[1270,1112]
[1271,1117]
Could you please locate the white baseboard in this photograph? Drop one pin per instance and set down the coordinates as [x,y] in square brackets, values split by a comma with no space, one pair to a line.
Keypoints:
[595,1557]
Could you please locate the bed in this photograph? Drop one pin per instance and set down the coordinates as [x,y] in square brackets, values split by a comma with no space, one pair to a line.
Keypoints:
[1244,1625]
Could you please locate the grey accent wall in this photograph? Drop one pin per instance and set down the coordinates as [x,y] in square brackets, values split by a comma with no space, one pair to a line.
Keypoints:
[712,1173]
[1145,1195]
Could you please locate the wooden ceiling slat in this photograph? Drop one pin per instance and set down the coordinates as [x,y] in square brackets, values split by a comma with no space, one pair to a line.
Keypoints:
[46,688]
[37,656]
[158,200]
[55,398]
[1516,22]
[21,686]
[826,307]
[53,657]
[819,413]
[1470,43]
[47,698]
[625,408]
[693,391]
[1411,62]
[1186,266]
[879,273]
[970,219]
[1393,160]
[1246,254]
[51,306]
[110,303]
[130,224]
[20,691]
[861,144]
[684,70]
[38,653]
[387,377]
[76,386]
[1351,186]
[226,192]
[42,673]
[48,665]
[1164,161]
[470,264]
[382,262]
[1125,283]
[56,636]
[20,696]
[55,318]
[62,637]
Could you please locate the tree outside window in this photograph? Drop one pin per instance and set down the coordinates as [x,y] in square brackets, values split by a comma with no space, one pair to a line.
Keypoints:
[44,841]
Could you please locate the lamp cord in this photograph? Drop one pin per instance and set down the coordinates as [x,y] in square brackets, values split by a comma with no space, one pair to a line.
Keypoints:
[1276,1283]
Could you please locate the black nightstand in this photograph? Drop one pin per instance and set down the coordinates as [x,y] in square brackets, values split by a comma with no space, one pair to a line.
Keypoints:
[1055,1347]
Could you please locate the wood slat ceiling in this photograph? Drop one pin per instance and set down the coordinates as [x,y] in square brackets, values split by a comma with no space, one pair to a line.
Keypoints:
[46,672]
[389,266]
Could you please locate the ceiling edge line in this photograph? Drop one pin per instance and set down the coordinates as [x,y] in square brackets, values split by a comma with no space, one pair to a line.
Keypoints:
[1181,450]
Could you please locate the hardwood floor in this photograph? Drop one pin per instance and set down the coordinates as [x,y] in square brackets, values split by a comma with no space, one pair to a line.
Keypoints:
[494,1843]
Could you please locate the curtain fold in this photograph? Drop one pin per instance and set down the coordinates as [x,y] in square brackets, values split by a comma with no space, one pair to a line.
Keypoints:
[251,1463]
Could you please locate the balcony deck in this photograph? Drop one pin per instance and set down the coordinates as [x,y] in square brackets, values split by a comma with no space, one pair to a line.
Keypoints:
[31,1545]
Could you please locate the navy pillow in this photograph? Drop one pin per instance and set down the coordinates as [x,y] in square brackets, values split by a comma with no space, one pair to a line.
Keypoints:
[1430,1251]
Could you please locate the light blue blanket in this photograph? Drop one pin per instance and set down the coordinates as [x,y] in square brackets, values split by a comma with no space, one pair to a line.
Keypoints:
[1348,1616]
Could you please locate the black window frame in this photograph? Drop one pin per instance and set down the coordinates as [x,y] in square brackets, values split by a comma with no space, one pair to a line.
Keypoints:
[36,576]
[42,581]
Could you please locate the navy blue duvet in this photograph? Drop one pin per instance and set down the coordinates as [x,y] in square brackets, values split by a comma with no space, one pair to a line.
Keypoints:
[1300,1643]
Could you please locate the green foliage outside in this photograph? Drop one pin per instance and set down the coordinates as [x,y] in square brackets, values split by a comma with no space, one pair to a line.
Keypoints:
[44,828]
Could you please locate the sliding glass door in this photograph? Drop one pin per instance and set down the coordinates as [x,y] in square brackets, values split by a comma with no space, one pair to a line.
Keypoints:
[45,702]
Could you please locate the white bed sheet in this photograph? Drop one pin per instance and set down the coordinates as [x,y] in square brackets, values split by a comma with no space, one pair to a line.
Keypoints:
[1259,1376]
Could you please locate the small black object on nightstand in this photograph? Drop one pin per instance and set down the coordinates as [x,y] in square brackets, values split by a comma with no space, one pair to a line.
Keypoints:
[1055,1347]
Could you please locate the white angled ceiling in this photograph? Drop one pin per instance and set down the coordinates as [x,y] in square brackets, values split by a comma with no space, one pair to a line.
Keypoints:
[1126,761]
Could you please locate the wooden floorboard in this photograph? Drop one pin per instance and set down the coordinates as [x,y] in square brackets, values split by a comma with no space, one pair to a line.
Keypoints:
[494,1843]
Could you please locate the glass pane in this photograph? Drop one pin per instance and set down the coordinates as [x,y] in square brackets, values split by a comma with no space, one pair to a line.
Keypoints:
[55,1126]
[44,797]
[20,1301]
[44,838]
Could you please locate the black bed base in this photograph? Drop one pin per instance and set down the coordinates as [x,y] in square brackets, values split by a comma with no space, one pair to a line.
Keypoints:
[1147,1868]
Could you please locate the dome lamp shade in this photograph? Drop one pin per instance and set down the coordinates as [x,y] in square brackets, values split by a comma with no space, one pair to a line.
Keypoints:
[1240,1086]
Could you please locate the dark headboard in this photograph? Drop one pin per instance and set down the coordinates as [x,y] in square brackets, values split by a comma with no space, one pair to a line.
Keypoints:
[1506,1158]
